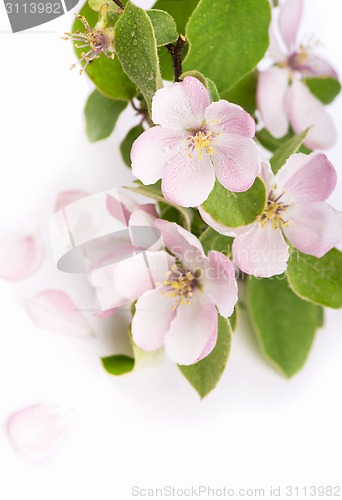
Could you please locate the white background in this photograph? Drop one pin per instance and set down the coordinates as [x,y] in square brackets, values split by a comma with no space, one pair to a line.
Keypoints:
[148,428]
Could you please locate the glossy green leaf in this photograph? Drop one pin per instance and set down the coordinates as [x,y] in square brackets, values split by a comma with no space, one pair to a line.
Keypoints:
[154,191]
[212,240]
[205,375]
[236,209]
[180,10]
[317,280]
[126,145]
[107,74]
[118,364]
[165,29]
[227,39]
[288,148]
[284,323]
[244,93]
[101,115]
[325,89]
[136,48]
[272,143]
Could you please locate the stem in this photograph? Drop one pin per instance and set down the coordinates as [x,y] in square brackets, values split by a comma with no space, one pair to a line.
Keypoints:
[176,54]
[119,4]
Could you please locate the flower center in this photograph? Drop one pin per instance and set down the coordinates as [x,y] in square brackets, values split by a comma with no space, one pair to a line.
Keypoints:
[200,141]
[274,212]
[99,40]
[180,285]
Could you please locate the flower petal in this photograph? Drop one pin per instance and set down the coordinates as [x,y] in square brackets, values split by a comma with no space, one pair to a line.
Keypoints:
[143,215]
[313,65]
[274,49]
[220,228]
[21,255]
[289,20]
[306,178]
[180,106]
[223,116]
[188,181]
[152,151]
[192,330]
[183,244]
[314,228]
[306,111]
[219,282]
[67,197]
[272,89]
[119,209]
[54,311]
[153,315]
[35,431]
[236,160]
[261,252]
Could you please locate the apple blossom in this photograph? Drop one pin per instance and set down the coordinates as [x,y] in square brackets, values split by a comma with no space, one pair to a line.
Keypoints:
[195,140]
[295,209]
[282,96]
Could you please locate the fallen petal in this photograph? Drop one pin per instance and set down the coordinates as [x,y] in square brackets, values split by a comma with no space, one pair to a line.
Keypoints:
[20,256]
[67,197]
[54,311]
[36,430]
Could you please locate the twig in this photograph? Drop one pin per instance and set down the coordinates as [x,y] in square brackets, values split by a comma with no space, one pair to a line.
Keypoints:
[176,54]
[119,4]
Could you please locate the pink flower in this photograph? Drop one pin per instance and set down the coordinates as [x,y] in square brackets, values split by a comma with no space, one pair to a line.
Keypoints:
[179,310]
[295,209]
[282,96]
[194,141]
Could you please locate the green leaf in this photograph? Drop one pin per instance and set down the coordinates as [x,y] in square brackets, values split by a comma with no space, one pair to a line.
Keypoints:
[101,115]
[107,74]
[212,240]
[180,10]
[317,280]
[136,48]
[227,39]
[165,29]
[126,145]
[205,375]
[284,323]
[154,191]
[236,209]
[287,149]
[118,364]
[112,7]
[244,93]
[233,319]
[325,89]
[272,144]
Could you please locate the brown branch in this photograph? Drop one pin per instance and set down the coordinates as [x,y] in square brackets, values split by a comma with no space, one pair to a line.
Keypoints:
[176,53]
[119,4]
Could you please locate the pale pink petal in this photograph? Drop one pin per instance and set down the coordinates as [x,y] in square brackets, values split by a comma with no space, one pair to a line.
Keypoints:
[154,312]
[188,181]
[143,215]
[289,20]
[36,430]
[192,330]
[105,314]
[220,228]
[306,178]
[314,228]
[223,116]
[145,271]
[272,89]
[306,111]
[209,346]
[21,255]
[181,106]
[183,244]
[67,197]
[219,282]
[54,311]
[153,150]
[267,175]
[312,65]
[118,209]
[274,49]
[236,160]
[261,252]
